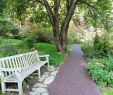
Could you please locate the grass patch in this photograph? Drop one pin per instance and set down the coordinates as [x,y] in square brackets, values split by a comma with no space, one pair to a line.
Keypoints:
[55,57]
[2,93]
[12,41]
[45,47]
[107,91]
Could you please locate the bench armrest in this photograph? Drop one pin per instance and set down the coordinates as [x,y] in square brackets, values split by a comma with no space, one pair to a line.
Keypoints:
[46,57]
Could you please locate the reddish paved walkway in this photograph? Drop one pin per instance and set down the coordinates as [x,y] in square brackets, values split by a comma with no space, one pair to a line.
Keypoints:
[73,78]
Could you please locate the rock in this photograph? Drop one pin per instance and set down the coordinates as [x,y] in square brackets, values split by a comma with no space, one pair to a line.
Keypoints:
[51,68]
[39,90]
[34,93]
[46,74]
[40,85]
[49,80]
[54,73]
[45,94]
[10,93]
[42,78]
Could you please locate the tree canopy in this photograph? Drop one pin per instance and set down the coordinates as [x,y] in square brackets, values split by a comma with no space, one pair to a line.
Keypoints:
[59,13]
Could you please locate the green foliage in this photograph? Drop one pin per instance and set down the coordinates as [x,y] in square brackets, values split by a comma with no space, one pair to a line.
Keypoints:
[8,49]
[45,35]
[97,13]
[2,6]
[29,42]
[107,91]
[101,71]
[101,46]
[8,28]
[11,47]
[11,41]
[2,93]
[42,34]
[15,32]
[88,49]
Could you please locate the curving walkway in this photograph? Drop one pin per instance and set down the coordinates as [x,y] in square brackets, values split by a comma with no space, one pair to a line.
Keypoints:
[73,78]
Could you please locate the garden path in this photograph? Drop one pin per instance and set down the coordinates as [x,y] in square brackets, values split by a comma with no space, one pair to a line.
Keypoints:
[73,77]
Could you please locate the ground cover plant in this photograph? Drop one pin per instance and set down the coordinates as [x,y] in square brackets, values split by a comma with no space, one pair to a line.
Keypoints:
[99,55]
[101,71]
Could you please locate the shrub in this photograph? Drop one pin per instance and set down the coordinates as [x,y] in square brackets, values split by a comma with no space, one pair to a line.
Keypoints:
[43,35]
[8,50]
[15,32]
[88,49]
[2,33]
[101,46]
[101,71]
[8,29]
[29,42]
[0,41]
[2,93]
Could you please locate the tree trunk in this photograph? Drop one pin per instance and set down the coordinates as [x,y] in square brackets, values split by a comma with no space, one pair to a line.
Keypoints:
[57,38]
[64,44]
[58,46]
[60,30]
[60,40]
[61,45]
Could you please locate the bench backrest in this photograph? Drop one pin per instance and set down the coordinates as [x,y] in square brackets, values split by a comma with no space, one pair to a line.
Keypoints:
[32,57]
[18,61]
[12,61]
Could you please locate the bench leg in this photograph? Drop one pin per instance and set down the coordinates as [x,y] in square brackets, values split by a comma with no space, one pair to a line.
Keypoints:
[39,74]
[20,88]
[3,87]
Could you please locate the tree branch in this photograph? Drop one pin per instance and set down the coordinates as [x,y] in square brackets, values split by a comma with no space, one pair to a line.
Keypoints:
[56,5]
[68,4]
[69,15]
[56,14]
[49,11]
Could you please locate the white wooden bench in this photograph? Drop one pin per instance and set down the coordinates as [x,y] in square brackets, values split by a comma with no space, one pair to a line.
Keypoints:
[15,69]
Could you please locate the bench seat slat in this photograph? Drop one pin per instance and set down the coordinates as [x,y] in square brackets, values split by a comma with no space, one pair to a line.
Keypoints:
[26,72]
[12,78]
[12,89]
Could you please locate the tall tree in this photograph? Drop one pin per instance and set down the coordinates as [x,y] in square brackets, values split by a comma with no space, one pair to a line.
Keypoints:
[97,8]
[60,29]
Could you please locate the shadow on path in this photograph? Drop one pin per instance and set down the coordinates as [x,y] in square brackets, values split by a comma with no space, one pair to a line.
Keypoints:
[73,78]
